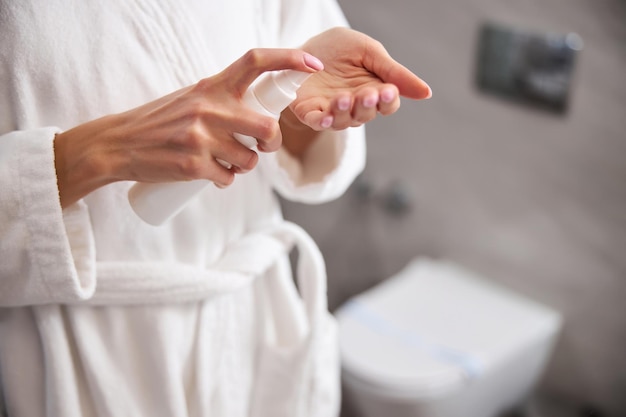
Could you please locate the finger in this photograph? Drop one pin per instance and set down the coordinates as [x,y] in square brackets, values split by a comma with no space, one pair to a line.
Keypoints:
[365,106]
[341,109]
[315,113]
[409,85]
[389,99]
[263,129]
[234,156]
[221,176]
[271,144]
[241,73]
[318,120]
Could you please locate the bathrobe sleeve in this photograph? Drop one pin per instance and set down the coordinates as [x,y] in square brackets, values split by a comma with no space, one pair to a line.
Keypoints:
[37,263]
[336,158]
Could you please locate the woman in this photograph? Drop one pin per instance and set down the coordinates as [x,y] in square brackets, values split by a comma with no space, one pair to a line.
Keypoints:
[104,315]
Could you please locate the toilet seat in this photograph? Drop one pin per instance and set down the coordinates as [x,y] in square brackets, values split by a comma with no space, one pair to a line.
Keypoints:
[431,330]
[382,358]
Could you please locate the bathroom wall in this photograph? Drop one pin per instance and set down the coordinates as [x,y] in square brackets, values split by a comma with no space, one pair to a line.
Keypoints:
[529,199]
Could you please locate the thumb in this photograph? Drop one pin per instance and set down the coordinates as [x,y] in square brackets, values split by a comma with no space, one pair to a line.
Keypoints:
[390,71]
[409,85]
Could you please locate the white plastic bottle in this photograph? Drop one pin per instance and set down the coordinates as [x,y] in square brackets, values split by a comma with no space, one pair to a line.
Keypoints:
[270,95]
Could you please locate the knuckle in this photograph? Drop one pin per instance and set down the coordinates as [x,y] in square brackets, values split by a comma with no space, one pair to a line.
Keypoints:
[250,163]
[191,167]
[267,129]
[194,138]
[272,145]
[253,58]
[202,84]
[376,44]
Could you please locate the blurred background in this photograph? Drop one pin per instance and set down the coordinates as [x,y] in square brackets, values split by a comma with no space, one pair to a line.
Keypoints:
[532,199]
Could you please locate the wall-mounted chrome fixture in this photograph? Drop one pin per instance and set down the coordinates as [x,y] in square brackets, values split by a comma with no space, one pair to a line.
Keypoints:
[394,197]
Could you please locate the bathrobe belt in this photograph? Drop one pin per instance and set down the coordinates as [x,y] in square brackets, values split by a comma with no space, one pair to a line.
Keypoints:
[132,283]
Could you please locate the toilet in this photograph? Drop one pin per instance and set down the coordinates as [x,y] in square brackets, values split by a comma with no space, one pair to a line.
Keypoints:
[436,340]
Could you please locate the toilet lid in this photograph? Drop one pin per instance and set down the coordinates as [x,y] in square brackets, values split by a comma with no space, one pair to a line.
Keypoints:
[433,328]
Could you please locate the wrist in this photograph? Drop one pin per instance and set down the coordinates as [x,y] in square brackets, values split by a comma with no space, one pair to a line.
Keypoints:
[81,162]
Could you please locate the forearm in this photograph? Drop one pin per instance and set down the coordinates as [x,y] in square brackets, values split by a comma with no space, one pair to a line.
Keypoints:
[86,157]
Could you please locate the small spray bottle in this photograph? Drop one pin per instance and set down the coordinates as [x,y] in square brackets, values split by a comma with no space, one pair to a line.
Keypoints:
[157,203]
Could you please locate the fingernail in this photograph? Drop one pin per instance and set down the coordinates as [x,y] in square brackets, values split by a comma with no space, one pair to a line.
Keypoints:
[313,63]
[430,92]
[369,101]
[387,96]
[224,163]
[327,121]
[343,104]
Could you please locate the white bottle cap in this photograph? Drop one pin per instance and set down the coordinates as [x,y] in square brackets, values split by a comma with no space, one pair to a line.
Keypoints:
[291,79]
[277,90]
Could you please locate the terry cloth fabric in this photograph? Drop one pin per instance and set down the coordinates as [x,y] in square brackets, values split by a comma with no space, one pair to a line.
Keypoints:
[103,315]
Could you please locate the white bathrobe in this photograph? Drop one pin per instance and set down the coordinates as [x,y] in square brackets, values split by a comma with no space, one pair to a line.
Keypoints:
[103,315]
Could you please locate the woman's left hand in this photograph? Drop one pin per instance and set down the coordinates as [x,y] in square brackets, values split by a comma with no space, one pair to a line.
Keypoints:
[360,80]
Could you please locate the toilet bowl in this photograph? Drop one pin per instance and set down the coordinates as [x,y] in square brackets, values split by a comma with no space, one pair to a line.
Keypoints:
[438,341]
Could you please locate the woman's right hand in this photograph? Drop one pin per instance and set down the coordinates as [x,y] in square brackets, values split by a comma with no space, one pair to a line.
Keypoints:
[178,137]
